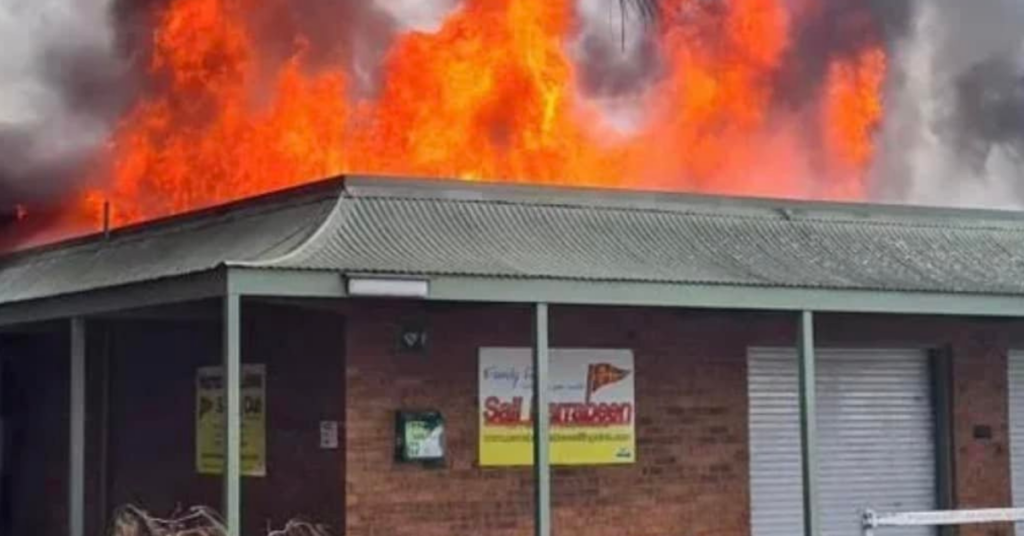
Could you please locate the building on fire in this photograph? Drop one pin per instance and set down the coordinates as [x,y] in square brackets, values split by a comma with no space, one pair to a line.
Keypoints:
[373,346]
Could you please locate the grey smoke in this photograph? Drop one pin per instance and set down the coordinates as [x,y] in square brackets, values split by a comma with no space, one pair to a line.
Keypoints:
[59,93]
[954,134]
[833,29]
[417,14]
[616,54]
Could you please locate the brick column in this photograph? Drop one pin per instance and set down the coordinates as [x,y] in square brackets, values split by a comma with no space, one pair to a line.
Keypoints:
[981,457]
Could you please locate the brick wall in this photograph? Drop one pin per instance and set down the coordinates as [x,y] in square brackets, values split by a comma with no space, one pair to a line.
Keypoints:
[691,477]
[150,447]
[980,393]
[152,432]
[691,474]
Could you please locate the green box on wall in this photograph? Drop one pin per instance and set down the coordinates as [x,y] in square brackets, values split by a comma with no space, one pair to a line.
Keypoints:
[419,437]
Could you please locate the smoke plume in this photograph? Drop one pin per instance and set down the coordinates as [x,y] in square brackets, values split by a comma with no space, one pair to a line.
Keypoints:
[61,86]
[955,130]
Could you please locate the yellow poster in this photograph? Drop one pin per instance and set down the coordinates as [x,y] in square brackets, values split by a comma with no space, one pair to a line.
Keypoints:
[592,409]
[210,420]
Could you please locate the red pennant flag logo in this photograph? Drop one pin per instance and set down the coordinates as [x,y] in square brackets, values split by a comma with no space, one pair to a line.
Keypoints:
[602,375]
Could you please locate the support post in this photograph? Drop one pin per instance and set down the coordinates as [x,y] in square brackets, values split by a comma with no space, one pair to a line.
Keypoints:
[541,418]
[76,446]
[808,424]
[232,500]
[942,400]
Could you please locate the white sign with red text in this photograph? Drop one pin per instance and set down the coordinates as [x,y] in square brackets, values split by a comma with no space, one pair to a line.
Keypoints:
[593,407]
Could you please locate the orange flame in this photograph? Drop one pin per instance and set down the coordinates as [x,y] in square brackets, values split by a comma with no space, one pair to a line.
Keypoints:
[854,110]
[493,94]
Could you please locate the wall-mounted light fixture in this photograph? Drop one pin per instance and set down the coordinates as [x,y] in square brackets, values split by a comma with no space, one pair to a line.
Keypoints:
[385,287]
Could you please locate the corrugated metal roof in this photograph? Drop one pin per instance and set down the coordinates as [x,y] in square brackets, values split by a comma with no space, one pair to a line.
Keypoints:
[263,228]
[536,233]
[407,227]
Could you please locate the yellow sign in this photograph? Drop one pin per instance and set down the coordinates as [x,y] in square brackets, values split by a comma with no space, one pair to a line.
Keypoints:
[592,410]
[210,420]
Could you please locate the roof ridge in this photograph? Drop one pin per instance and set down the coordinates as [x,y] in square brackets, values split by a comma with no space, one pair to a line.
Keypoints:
[363,186]
[921,221]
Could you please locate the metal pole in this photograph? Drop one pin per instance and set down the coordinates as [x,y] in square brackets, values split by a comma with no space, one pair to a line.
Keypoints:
[541,418]
[808,424]
[232,415]
[76,447]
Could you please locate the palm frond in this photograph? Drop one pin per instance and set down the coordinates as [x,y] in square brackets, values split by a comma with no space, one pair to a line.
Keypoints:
[647,10]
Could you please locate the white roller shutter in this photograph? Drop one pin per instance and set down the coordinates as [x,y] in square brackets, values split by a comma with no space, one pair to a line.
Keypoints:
[1016,386]
[875,437]
[775,475]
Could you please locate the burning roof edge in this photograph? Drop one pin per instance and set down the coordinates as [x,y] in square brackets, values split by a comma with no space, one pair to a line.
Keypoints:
[364,186]
[247,207]
[446,229]
[455,190]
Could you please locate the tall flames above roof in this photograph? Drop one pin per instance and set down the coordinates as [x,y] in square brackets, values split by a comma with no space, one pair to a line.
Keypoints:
[496,92]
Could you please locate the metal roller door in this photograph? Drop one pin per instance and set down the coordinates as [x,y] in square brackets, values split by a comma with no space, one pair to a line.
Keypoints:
[1016,387]
[875,435]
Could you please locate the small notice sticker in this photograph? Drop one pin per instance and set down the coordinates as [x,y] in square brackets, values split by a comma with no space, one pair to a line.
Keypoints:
[329,435]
